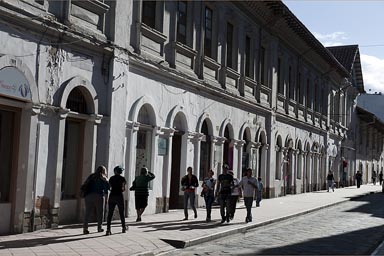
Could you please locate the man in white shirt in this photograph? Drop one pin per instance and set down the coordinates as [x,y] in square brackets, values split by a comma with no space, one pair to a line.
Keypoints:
[248,183]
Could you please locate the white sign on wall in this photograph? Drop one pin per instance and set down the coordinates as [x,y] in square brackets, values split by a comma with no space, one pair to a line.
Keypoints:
[14,84]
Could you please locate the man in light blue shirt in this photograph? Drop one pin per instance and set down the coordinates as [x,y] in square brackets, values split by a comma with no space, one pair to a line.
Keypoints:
[249,185]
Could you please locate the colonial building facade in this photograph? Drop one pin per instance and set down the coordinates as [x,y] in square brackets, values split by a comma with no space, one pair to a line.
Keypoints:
[166,85]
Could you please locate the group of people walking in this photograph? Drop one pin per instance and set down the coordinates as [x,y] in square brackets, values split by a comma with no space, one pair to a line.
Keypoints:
[226,189]
[96,188]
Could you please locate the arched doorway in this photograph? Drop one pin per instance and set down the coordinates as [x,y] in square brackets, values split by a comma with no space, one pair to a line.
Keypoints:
[228,146]
[307,169]
[205,150]
[289,174]
[299,167]
[178,144]
[247,152]
[74,154]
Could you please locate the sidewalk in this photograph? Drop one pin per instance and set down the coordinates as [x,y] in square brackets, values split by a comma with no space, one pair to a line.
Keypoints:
[158,232]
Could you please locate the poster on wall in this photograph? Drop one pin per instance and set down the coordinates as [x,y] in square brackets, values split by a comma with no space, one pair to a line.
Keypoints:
[162,146]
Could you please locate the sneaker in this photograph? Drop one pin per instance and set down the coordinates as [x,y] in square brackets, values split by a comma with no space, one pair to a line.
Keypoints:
[108,233]
[85,232]
[100,230]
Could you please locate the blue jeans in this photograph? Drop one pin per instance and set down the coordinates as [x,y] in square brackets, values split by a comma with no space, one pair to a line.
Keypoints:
[248,201]
[191,197]
[209,198]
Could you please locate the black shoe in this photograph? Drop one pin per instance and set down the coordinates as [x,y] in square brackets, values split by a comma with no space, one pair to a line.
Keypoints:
[100,230]
[222,220]
[227,219]
[246,220]
[138,219]
[186,218]
[208,220]
[85,232]
[124,230]
[195,215]
[108,233]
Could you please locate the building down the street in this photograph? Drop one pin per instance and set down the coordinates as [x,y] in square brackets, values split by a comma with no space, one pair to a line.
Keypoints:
[167,85]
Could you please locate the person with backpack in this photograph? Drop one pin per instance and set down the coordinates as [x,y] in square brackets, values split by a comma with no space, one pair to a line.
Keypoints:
[95,188]
[118,185]
[140,186]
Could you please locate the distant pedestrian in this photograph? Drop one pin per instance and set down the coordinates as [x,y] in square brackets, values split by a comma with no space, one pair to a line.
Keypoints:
[189,184]
[140,185]
[374,176]
[235,194]
[97,187]
[259,191]
[358,177]
[209,193]
[330,181]
[223,192]
[118,186]
[249,185]
[381,178]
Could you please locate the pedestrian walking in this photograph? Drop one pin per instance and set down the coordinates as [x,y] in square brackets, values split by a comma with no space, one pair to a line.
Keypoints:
[209,193]
[249,185]
[235,194]
[96,187]
[374,176]
[223,192]
[259,191]
[330,181]
[381,177]
[118,186]
[358,177]
[140,185]
[189,184]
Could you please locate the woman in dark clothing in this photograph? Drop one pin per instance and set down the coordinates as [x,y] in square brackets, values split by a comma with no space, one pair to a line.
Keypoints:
[140,186]
[209,193]
[118,184]
[97,187]
[189,183]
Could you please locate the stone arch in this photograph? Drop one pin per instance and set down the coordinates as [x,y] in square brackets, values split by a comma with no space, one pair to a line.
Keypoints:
[205,117]
[86,89]
[224,124]
[177,110]
[146,101]
[11,61]
[247,130]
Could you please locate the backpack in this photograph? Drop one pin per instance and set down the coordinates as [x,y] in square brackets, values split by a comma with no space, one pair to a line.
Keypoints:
[85,189]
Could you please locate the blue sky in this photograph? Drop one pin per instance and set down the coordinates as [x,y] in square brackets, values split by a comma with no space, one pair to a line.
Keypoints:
[348,22]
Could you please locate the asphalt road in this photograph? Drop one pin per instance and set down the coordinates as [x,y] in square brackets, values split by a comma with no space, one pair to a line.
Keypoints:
[351,228]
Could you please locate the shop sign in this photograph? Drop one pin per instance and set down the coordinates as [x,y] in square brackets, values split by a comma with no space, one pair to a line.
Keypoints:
[14,84]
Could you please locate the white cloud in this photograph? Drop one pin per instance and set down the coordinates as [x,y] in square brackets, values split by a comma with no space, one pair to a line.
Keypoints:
[332,39]
[373,73]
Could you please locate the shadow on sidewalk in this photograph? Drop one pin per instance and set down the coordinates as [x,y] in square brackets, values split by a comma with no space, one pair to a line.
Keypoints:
[41,241]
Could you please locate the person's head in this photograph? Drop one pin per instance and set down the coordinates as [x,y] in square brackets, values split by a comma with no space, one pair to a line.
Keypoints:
[210,173]
[225,168]
[259,178]
[144,171]
[101,170]
[249,172]
[189,170]
[118,170]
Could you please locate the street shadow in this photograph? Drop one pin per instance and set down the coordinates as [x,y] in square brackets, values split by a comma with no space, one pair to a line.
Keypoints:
[185,226]
[41,241]
[360,242]
[371,206]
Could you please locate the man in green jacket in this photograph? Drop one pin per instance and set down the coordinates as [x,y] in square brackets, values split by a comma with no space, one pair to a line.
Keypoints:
[140,186]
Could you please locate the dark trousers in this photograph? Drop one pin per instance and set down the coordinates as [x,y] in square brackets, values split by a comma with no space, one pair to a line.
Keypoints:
[191,197]
[232,205]
[93,202]
[112,202]
[209,198]
[224,205]
[248,201]
[358,182]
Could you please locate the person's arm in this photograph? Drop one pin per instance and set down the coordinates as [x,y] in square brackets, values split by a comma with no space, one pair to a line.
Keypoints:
[218,187]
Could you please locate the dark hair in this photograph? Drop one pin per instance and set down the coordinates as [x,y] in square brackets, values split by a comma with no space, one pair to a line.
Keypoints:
[143,171]
[118,169]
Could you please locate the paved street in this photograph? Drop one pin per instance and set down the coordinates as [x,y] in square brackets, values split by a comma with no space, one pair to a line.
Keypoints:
[354,227]
[163,233]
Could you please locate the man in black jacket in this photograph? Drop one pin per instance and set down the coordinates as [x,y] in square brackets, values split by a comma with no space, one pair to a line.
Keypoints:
[189,184]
